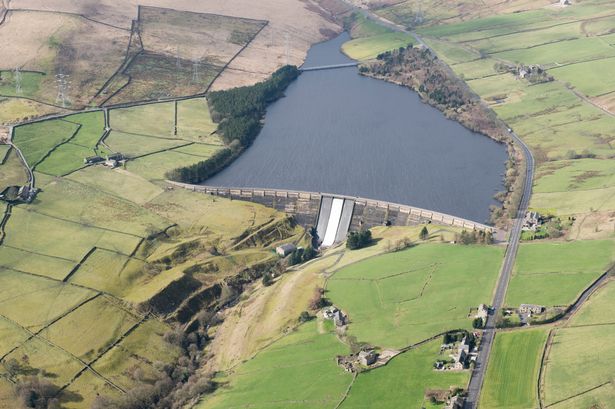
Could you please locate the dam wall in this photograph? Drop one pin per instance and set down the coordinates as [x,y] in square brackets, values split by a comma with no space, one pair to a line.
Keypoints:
[311,209]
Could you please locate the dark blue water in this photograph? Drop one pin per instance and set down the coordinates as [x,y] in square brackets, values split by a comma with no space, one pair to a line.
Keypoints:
[339,132]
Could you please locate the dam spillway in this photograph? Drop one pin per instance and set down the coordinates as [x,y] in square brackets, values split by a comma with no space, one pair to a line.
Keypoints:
[312,209]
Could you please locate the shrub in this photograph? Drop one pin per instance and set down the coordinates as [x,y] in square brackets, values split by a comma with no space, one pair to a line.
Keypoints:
[357,240]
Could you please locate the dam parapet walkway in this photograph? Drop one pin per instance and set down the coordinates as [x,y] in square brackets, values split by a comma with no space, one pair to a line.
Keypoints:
[335,215]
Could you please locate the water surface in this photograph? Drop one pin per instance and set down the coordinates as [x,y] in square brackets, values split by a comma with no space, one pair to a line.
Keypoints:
[339,132]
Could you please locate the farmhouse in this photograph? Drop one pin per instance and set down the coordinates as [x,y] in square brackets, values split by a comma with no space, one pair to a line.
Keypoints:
[532,221]
[285,249]
[367,358]
[531,309]
[456,402]
[332,313]
[483,312]
[90,160]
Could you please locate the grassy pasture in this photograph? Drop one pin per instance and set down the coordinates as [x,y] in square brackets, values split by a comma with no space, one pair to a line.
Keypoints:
[69,157]
[570,175]
[565,52]
[364,27]
[80,393]
[110,272]
[154,167]
[146,341]
[403,381]
[526,40]
[578,353]
[194,121]
[555,273]
[398,299]
[297,371]
[11,336]
[91,329]
[12,172]
[36,140]
[63,198]
[369,47]
[134,146]
[588,77]
[576,361]
[62,239]
[475,69]
[118,183]
[30,83]
[38,264]
[575,202]
[510,382]
[152,119]
[33,302]
[598,309]
[452,53]
[58,366]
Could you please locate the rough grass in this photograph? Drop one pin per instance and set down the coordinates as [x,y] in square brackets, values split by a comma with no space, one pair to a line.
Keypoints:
[11,335]
[117,182]
[91,329]
[84,390]
[62,239]
[37,264]
[107,271]
[297,371]
[398,299]
[33,302]
[82,204]
[58,366]
[511,382]
[556,273]
[369,47]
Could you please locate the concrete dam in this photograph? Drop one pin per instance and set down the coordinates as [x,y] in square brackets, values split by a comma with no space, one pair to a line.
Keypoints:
[335,215]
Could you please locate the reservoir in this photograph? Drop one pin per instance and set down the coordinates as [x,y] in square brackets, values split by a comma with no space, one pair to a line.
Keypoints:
[338,132]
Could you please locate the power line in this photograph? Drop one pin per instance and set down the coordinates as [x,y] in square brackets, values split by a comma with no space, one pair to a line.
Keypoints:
[63,84]
[196,65]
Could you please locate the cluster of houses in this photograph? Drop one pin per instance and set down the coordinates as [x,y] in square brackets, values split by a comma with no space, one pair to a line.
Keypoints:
[461,356]
[112,161]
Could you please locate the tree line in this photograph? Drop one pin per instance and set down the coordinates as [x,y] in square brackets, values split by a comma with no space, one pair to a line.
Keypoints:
[239,113]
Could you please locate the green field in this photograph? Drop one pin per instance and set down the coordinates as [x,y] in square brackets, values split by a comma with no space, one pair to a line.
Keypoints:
[588,77]
[152,119]
[12,172]
[134,146]
[578,353]
[154,167]
[36,140]
[398,299]
[297,371]
[402,383]
[511,381]
[30,83]
[194,121]
[553,274]
[369,47]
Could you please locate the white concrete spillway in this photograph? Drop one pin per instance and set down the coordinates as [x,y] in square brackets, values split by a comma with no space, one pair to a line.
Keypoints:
[333,224]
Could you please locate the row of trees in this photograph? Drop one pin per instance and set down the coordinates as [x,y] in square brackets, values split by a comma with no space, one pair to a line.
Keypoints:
[239,113]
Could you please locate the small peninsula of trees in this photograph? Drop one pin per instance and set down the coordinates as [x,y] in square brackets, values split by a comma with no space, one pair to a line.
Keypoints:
[239,113]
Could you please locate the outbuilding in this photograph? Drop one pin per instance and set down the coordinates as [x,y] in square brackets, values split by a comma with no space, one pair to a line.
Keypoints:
[285,249]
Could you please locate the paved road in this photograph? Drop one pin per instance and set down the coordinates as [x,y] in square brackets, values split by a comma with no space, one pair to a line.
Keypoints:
[478,374]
